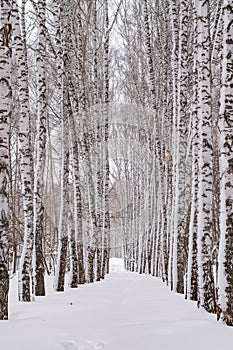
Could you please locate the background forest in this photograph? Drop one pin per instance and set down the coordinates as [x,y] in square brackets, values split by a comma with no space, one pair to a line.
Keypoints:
[116,138]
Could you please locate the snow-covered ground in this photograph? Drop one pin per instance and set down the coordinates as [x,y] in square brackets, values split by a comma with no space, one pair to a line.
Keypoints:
[126,311]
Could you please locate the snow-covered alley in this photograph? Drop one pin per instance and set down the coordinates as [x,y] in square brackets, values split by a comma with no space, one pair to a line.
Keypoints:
[126,311]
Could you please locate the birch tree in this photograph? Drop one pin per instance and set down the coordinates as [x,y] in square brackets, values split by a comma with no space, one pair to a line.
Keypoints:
[106,101]
[5,113]
[225,273]
[205,181]
[64,207]
[61,18]
[39,287]
[25,148]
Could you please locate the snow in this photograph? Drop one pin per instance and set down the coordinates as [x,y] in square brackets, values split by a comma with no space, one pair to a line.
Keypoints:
[126,311]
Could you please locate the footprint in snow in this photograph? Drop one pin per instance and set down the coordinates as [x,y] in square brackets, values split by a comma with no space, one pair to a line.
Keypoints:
[94,345]
[69,345]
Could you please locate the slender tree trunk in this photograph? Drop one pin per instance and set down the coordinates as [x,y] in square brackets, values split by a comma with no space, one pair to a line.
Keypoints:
[192,273]
[5,113]
[38,265]
[64,206]
[26,164]
[225,269]
[173,279]
[205,159]
[106,223]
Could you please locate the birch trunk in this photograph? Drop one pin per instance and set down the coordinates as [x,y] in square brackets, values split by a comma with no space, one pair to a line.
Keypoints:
[173,279]
[106,223]
[204,208]
[225,273]
[38,265]
[5,113]
[25,149]
[64,206]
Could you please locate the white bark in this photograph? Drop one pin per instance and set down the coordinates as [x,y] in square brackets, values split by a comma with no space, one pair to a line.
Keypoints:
[225,286]
[5,113]
[205,181]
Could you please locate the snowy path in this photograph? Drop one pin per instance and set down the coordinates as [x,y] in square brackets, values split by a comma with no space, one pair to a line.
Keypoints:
[125,312]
